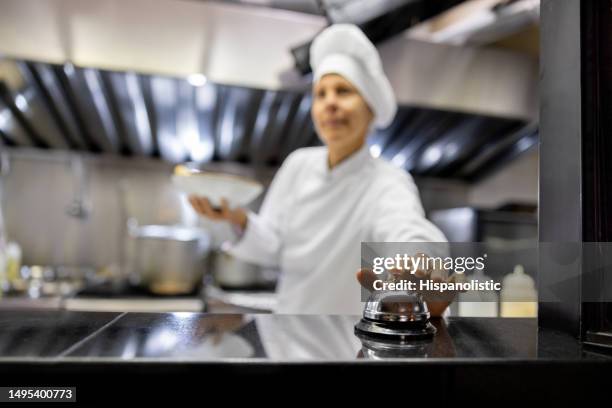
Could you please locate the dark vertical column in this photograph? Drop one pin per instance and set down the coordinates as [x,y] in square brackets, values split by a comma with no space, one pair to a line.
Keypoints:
[575,158]
[597,158]
[560,210]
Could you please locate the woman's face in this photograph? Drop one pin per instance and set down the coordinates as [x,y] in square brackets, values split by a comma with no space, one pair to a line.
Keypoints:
[340,114]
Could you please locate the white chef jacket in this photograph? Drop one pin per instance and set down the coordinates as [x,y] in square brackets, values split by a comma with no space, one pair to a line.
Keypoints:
[313,220]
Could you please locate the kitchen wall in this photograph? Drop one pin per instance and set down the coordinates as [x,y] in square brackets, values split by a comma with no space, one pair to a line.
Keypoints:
[517,181]
[45,195]
[41,188]
[441,193]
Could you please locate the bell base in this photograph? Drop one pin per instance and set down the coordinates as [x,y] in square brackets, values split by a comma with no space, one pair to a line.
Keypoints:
[397,331]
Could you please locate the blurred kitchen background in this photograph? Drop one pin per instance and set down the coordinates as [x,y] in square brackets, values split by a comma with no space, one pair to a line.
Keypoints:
[99,100]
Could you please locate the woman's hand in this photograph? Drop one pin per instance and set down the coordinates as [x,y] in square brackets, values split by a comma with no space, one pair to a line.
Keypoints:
[436,307]
[436,302]
[203,207]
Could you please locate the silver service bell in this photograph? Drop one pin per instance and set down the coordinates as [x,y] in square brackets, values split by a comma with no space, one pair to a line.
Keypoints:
[400,316]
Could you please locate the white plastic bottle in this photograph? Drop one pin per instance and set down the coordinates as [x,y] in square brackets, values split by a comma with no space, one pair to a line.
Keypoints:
[476,303]
[3,280]
[519,297]
[13,262]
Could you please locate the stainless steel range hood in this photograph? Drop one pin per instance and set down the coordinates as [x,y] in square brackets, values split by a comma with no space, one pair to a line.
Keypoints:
[68,107]
[482,80]
[229,43]
[464,109]
[239,43]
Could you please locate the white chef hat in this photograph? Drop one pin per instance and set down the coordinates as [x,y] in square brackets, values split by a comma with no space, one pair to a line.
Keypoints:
[344,49]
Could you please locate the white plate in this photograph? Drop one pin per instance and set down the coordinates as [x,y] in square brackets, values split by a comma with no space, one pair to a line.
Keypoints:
[238,191]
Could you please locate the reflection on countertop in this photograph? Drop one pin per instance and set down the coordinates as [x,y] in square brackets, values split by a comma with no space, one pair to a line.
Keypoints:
[200,337]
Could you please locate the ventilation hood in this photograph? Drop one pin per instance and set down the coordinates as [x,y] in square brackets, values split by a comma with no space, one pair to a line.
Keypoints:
[201,81]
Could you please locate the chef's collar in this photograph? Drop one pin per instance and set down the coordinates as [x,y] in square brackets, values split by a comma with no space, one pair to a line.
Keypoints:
[352,164]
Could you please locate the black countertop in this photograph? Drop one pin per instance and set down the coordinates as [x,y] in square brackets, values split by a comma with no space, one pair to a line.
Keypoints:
[266,338]
[467,353]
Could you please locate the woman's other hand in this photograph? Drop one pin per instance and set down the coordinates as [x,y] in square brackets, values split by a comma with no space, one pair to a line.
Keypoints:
[202,206]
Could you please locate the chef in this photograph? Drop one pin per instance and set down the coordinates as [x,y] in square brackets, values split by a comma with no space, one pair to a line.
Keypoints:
[324,201]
